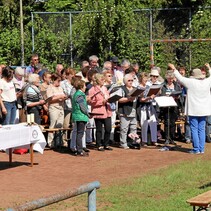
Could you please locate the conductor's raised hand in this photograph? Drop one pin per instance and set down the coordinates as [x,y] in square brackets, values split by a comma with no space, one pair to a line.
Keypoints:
[208,65]
[171,66]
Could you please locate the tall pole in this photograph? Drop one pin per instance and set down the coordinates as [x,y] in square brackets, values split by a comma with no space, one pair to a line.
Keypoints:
[151,43]
[71,40]
[22,35]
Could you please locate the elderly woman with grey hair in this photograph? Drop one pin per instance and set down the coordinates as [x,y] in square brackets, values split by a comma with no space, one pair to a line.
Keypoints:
[33,97]
[120,73]
[19,84]
[127,111]
[171,115]
[93,63]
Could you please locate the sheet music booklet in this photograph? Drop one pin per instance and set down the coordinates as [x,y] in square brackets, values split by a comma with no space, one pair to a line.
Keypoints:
[175,93]
[136,91]
[115,96]
[47,100]
[154,89]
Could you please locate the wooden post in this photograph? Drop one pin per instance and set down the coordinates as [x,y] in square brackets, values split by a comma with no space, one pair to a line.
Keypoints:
[31,154]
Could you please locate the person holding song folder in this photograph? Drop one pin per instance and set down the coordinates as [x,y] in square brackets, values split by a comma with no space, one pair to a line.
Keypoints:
[169,88]
[127,111]
[101,111]
[147,113]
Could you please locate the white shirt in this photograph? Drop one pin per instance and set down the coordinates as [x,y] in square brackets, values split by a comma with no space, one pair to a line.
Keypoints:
[8,91]
[198,99]
[119,75]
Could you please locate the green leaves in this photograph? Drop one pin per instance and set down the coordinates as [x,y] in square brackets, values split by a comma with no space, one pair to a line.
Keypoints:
[105,28]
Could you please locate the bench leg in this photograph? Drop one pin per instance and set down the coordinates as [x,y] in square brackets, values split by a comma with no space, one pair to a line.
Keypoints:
[200,208]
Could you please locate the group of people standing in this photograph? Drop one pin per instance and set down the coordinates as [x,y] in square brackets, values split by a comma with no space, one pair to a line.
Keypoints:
[82,100]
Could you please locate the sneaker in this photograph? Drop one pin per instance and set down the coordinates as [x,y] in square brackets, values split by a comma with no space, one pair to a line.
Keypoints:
[108,148]
[101,149]
[172,142]
[166,142]
[143,144]
[154,144]
[124,147]
[202,152]
[86,150]
[83,154]
[194,152]
[188,141]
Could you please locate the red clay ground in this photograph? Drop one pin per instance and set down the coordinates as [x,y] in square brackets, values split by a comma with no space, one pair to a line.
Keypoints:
[56,172]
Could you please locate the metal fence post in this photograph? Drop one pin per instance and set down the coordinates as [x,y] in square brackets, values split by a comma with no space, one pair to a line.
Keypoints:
[92,200]
[89,188]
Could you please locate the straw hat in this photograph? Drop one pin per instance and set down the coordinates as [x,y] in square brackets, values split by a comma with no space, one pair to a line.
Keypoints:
[196,73]
[154,72]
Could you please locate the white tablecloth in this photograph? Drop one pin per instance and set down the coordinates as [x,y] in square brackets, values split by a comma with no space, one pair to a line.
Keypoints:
[21,136]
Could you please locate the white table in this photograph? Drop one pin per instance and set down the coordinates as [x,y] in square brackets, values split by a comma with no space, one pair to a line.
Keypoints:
[22,136]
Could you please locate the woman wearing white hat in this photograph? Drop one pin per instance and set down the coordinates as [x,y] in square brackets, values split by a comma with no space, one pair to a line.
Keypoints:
[197,106]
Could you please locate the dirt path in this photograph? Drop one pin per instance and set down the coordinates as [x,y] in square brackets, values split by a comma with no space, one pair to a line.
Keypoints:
[55,172]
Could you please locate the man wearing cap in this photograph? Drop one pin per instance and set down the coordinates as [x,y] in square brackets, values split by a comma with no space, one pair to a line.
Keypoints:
[198,104]
[114,63]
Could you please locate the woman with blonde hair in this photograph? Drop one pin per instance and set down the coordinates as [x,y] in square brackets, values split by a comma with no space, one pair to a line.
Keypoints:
[67,88]
[56,106]
[101,110]
[147,113]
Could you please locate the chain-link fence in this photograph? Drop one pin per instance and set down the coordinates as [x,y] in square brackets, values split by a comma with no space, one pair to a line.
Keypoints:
[178,35]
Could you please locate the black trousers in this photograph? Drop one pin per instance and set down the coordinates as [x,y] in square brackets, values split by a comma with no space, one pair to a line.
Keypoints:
[107,128]
[79,135]
[173,116]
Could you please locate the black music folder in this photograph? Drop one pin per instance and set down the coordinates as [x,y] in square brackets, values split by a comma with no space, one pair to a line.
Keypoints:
[154,90]
[136,91]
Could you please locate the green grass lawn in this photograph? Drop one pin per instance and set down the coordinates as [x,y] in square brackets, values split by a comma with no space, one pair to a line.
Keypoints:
[163,190]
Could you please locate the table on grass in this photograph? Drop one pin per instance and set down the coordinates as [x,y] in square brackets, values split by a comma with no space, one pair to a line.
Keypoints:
[22,136]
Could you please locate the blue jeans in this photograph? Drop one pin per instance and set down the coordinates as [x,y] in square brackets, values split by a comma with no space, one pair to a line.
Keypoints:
[9,118]
[197,126]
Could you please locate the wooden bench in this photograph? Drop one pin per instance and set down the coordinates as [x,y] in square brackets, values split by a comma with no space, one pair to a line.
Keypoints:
[60,132]
[201,201]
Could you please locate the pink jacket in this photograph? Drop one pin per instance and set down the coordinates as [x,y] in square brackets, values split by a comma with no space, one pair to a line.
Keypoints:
[97,96]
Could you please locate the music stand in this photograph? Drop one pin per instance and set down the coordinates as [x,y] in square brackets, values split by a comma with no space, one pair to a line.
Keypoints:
[166,101]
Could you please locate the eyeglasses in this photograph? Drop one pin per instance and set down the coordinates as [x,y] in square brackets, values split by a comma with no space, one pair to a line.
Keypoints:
[130,80]
[35,59]
[154,76]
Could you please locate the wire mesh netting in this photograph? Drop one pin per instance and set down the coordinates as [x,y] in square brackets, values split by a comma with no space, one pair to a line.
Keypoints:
[77,35]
